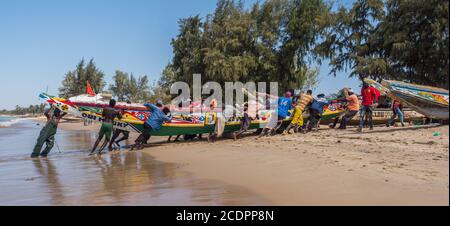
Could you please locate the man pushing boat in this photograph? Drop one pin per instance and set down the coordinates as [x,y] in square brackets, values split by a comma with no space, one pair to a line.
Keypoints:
[47,135]
[108,114]
[159,115]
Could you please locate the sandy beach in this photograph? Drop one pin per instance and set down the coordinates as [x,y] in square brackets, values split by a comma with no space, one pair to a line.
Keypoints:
[387,166]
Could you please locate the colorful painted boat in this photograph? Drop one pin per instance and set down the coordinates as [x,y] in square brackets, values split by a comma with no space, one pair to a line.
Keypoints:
[191,123]
[430,101]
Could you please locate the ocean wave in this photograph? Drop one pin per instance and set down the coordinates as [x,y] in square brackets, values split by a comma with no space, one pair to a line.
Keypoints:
[11,122]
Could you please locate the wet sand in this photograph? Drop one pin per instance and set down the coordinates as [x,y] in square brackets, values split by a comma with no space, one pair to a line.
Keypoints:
[387,166]
[70,177]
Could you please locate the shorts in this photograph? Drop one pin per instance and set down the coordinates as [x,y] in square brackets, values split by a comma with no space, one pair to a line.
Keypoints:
[106,130]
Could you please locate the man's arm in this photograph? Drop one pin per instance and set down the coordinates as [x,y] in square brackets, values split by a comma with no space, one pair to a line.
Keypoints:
[119,115]
[375,96]
[47,114]
[167,118]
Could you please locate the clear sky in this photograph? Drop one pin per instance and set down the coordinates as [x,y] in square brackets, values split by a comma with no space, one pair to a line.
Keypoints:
[41,40]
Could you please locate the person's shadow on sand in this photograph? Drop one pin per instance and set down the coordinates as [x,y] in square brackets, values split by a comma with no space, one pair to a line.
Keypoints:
[47,170]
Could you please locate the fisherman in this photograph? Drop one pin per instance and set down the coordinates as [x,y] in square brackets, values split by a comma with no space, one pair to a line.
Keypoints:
[279,115]
[245,123]
[352,108]
[108,114]
[397,108]
[297,120]
[284,106]
[316,110]
[159,115]
[116,134]
[47,134]
[369,99]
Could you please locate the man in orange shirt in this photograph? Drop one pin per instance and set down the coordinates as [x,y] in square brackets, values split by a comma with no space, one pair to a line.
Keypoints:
[352,107]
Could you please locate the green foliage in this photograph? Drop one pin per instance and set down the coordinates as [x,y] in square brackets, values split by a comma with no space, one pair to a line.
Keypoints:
[74,82]
[31,110]
[127,88]
[269,42]
[393,39]
[348,40]
[415,39]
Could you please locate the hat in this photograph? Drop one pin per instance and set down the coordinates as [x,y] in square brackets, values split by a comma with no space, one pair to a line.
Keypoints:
[159,102]
[321,95]
[350,90]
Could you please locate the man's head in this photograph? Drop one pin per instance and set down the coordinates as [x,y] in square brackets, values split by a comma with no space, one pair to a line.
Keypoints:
[57,112]
[309,92]
[365,85]
[350,92]
[288,94]
[245,107]
[321,95]
[112,103]
[159,104]
[166,110]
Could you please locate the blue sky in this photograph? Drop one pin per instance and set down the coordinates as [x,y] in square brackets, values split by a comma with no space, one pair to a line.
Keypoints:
[41,40]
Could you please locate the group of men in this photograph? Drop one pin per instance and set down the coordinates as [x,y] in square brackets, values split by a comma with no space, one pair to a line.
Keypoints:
[305,101]
[297,104]
[159,115]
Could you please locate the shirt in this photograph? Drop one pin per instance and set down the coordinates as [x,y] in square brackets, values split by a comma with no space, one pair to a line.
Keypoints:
[397,105]
[353,103]
[284,105]
[305,100]
[157,118]
[319,104]
[368,96]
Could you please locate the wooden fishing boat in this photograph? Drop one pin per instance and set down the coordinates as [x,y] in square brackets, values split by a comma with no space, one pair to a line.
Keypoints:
[184,123]
[429,101]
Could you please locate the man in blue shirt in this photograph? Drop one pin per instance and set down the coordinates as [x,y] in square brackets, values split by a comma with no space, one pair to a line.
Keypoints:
[153,123]
[316,110]
[284,106]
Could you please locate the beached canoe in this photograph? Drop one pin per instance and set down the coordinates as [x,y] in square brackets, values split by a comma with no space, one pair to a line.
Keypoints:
[195,123]
[429,101]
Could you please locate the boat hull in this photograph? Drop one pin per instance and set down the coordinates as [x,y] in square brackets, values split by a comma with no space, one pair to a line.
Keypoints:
[197,123]
[430,101]
[427,108]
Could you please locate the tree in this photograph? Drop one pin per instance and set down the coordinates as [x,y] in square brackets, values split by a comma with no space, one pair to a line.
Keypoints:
[127,88]
[415,39]
[119,88]
[74,82]
[269,42]
[349,42]
[300,33]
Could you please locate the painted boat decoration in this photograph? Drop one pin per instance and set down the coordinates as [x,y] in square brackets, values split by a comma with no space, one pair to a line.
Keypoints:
[429,101]
[196,123]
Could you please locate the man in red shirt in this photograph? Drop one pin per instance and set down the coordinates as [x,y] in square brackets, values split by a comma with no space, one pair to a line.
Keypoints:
[369,98]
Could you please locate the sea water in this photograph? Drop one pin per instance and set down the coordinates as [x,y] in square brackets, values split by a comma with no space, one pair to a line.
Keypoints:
[8,120]
[70,177]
